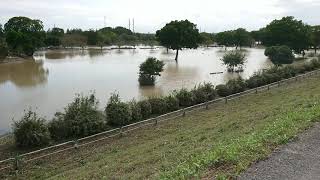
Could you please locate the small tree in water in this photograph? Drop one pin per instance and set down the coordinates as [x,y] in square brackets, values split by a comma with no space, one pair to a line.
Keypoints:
[149,70]
[234,60]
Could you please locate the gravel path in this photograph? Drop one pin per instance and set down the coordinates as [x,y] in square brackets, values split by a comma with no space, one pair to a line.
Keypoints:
[298,160]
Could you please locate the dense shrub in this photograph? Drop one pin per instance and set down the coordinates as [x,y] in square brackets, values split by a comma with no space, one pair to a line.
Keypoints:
[135,111]
[31,131]
[158,105]
[279,54]
[146,80]
[287,72]
[149,70]
[146,109]
[80,118]
[236,85]
[185,97]
[223,90]
[203,93]
[118,113]
[234,59]
[172,103]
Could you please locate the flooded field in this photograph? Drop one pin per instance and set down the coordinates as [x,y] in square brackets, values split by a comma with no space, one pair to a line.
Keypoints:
[50,81]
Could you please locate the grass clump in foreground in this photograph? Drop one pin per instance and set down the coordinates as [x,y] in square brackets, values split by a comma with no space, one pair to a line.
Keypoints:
[220,142]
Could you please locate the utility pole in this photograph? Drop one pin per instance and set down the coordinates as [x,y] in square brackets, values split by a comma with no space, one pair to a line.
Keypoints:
[133,25]
[104,21]
[129,24]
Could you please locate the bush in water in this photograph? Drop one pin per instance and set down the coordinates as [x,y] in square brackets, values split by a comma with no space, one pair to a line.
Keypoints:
[118,113]
[234,59]
[80,118]
[149,70]
[31,131]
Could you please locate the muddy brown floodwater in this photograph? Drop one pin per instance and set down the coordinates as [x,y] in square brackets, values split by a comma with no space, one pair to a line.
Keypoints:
[50,81]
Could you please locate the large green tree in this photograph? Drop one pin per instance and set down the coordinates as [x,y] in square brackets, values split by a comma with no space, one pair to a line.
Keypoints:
[225,38]
[290,32]
[207,38]
[179,34]
[24,35]
[315,38]
[242,38]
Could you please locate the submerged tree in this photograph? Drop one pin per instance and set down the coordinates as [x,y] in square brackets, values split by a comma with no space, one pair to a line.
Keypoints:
[179,34]
[234,60]
[149,70]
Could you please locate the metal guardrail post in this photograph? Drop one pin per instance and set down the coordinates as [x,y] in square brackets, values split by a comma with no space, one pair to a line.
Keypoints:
[207,105]
[226,100]
[121,133]
[184,113]
[16,164]
[156,122]
[256,90]
[268,87]
[76,144]
[278,83]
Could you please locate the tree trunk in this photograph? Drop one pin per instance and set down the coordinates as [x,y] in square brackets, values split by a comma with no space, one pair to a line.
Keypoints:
[167,50]
[177,53]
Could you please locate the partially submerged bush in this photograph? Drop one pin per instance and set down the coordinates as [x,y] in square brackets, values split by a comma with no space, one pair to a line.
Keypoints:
[80,118]
[279,55]
[31,131]
[234,60]
[149,70]
[118,113]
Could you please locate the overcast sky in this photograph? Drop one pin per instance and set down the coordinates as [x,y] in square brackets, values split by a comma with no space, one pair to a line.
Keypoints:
[150,15]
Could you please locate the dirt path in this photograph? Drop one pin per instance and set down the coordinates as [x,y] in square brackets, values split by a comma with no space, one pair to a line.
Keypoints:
[298,160]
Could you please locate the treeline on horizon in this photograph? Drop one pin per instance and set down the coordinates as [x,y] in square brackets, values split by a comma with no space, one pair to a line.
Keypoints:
[22,36]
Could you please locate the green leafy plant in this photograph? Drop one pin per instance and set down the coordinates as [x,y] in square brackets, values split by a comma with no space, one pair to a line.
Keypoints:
[118,113]
[31,131]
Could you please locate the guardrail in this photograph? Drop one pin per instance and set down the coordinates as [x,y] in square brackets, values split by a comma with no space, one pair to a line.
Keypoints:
[15,164]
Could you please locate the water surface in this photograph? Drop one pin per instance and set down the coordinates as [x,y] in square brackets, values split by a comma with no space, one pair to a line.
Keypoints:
[50,81]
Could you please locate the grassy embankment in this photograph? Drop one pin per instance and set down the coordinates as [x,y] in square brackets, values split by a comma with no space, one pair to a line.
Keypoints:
[220,142]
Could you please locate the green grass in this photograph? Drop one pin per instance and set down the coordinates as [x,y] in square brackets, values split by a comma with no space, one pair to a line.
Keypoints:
[220,142]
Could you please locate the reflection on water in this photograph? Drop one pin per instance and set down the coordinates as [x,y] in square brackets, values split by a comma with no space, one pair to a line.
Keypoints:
[105,72]
[28,73]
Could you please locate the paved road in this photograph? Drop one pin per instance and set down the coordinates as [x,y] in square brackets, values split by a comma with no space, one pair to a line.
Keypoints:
[298,160]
